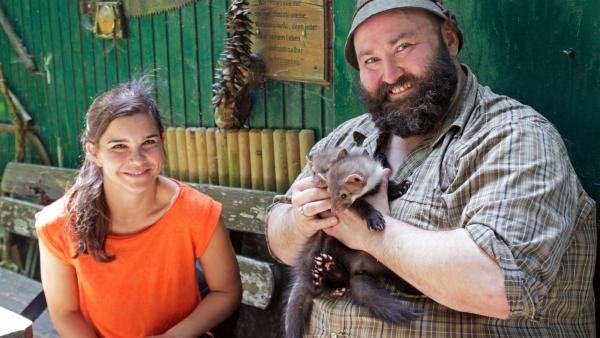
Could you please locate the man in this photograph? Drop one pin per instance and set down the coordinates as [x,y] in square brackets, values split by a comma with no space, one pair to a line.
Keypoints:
[494,230]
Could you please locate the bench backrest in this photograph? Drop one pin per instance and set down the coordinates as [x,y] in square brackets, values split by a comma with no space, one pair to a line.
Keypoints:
[27,187]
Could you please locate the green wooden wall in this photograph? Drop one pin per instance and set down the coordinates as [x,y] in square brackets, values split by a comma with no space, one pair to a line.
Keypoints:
[516,47]
[180,47]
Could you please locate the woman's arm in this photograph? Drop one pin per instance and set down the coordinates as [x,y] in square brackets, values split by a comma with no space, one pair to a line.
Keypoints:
[223,279]
[62,295]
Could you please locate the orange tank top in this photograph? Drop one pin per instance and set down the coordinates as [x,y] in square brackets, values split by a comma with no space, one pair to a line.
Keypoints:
[151,285]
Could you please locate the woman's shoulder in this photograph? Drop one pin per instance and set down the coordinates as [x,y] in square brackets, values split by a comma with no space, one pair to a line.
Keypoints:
[193,201]
[52,214]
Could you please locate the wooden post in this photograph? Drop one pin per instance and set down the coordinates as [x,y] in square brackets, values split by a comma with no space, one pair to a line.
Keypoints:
[244,146]
[192,157]
[293,155]
[211,155]
[221,136]
[268,165]
[256,160]
[307,141]
[201,155]
[281,169]
[181,155]
[172,152]
[233,158]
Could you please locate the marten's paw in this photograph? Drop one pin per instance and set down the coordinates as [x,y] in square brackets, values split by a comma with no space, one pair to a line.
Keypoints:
[375,221]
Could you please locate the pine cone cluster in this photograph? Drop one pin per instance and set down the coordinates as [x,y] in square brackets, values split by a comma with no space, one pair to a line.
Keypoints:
[230,92]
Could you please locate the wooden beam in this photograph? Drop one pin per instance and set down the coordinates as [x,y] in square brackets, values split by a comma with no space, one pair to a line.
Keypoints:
[258,282]
[34,180]
[18,216]
[243,209]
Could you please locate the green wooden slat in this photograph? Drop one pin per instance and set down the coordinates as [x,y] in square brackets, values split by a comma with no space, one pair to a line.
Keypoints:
[67,118]
[258,112]
[6,149]
[30,102]
[293,104]
[219,33]
[19,81]
[51,93]
[328,121]
[162,67]
[147,47]
[205,61]
[98,50]
[176,81]
[313,108]
[275,109]
[190,65]
[42,121]
[122,60]
[110,57]
[78,80]
[346,103]
[134,47]
[86,38]
[16,71]
[74,79]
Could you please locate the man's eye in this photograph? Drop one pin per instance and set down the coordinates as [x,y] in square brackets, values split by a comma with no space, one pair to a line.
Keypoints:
[403,47]
[149,142]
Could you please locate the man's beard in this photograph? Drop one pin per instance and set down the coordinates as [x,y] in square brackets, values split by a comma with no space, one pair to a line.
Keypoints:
[420,113]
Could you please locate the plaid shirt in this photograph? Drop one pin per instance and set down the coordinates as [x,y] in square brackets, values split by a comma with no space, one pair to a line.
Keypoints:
[501,171]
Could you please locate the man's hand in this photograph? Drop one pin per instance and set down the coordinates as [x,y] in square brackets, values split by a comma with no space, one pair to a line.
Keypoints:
[352,230]
[310,203]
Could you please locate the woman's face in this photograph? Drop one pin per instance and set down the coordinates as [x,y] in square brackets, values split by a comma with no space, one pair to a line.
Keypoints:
[129,153]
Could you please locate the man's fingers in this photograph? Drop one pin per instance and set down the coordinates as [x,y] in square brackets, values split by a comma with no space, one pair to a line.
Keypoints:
[304,184]
[311,209]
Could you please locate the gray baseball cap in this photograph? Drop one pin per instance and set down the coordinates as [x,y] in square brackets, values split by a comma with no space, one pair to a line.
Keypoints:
[368,8]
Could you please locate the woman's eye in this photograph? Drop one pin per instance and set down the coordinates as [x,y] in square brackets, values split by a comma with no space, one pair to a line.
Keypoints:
[371,60]
[118,146]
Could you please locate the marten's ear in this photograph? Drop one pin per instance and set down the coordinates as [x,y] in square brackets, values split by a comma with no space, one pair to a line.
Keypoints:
[354,178]
[342,153]
[308,160]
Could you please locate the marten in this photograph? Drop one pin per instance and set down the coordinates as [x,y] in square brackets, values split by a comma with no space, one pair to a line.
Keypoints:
[324,263]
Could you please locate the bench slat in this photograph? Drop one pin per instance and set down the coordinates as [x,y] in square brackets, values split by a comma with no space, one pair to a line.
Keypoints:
[243,209]
[258,281]
[36,180]
[18,216]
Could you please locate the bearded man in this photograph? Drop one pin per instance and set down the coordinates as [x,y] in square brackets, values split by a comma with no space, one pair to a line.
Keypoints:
[495,230]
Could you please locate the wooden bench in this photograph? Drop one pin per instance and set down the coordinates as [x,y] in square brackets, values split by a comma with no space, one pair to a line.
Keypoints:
[27,187]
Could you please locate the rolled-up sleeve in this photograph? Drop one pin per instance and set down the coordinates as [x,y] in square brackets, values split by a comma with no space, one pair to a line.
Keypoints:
[518,196]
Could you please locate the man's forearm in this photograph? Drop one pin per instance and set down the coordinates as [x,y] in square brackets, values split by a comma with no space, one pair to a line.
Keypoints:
[284,239]
[447,266]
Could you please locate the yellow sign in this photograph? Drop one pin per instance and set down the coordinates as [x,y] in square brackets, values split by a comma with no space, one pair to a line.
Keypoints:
[292,38]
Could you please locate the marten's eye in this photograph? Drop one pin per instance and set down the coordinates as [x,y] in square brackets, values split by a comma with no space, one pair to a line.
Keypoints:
[343,196]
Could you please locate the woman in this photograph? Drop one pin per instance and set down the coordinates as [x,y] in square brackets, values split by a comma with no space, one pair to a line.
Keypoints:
[118,250]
